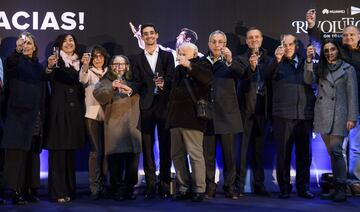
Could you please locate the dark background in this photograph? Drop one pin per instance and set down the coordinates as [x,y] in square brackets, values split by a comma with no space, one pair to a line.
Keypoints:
[106,23]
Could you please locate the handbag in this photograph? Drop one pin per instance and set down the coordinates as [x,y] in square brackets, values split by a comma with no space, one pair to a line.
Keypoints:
[203,107]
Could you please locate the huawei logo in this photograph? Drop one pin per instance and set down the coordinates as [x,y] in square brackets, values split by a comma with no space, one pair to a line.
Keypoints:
[325,11]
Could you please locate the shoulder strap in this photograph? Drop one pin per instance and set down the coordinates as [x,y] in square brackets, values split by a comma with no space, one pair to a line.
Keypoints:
[187,84]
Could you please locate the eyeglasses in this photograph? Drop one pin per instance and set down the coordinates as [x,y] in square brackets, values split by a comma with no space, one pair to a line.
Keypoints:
[119,64]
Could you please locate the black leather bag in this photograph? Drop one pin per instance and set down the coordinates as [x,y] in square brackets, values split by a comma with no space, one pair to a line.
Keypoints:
[203,107]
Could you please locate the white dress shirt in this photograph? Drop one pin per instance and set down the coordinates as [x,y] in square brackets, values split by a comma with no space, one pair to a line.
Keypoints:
[152,58]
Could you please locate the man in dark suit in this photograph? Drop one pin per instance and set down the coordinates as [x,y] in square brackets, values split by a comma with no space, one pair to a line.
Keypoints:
[253,102]
[153,72]
[226,120]
[293,111]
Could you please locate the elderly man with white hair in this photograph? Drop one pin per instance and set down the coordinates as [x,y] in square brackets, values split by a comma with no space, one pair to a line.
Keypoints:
[186,128]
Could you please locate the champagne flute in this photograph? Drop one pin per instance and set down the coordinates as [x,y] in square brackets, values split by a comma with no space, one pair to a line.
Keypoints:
[156,77]
[56,53]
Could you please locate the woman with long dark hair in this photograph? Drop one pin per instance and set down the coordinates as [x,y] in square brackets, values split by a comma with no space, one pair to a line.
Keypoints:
[336,107]
[66,130]
[23,133]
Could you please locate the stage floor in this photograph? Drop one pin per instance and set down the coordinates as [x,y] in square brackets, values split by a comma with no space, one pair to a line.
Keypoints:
[246,203]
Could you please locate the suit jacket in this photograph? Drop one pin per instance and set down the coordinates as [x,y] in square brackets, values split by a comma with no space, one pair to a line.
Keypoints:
[337,99]
[144,84]
[292,97]
[247,88]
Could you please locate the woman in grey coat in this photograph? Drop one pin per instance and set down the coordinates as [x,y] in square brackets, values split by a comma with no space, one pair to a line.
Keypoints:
[121,127]
[336,107]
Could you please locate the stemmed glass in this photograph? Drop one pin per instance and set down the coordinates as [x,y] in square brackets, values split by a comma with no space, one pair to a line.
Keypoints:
[56,53]
[89,56]
[156,78]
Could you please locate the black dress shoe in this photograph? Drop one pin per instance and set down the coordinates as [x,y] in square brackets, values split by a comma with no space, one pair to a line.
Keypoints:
[164,195]
[119,197]
[306,194]
[2,201]
[231,195]
[261,192]
[30,196]
[130,196]
[197,197]
[149,193]
[181,196]
[95,196]
[164,191]
[284,195]
[210,194]
[18,199]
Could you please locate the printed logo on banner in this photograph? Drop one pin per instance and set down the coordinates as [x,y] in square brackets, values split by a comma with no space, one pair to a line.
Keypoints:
[327,11]
[22,20]
[336,20]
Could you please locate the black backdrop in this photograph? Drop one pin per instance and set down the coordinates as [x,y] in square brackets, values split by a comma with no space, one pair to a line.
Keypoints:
[106,22]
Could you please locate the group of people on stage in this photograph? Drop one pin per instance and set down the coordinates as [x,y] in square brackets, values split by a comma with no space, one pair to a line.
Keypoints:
[117,104]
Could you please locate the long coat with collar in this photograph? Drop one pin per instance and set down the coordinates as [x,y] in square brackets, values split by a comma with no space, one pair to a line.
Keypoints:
[26,89]
[144,84]
[65,119]
[337,99]
[223,98]
[121,120]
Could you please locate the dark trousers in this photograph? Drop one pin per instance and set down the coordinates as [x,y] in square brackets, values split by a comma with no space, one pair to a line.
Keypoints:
[123,170]
[227,142]
[61,180]
[97,163]
[150,119]
[253,138]
[289,133]
[22,169]
[334,146]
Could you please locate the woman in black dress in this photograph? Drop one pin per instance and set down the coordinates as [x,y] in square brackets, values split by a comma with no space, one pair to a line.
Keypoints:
[65,132]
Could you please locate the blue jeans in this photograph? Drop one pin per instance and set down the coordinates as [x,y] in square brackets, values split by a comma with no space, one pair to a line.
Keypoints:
[354,154]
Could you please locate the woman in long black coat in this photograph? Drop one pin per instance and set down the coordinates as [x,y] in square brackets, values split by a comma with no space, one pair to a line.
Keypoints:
[65,123]
[22,138]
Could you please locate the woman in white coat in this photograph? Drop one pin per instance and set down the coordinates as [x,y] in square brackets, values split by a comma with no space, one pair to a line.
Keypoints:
[93,69]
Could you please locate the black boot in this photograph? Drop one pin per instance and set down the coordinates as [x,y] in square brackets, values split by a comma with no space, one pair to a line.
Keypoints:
[18,198]
[328,195]
[340,194]
[30,195]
